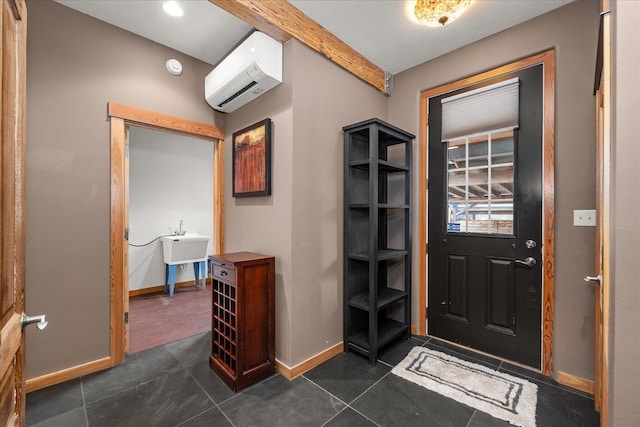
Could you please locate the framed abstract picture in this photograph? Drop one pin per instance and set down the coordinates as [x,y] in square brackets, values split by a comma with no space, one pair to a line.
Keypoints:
[252,160]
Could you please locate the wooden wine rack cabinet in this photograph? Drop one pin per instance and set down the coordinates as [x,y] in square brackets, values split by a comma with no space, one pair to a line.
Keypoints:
[243,318]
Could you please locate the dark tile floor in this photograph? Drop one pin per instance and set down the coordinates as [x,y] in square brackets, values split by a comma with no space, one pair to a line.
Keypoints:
[172,385]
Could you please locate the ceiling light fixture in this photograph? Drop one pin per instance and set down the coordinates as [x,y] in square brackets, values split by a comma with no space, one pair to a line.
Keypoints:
[172,8]
[436,13]
[174,67]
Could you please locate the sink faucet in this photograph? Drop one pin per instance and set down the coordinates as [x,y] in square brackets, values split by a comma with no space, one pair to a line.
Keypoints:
[180,232]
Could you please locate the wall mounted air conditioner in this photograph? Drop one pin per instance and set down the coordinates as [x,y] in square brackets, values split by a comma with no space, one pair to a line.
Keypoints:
[250,70]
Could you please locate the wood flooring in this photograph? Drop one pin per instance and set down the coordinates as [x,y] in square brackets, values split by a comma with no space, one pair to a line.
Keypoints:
[156,319]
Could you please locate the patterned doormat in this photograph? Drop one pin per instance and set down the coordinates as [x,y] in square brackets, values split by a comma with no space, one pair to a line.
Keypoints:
[498,394]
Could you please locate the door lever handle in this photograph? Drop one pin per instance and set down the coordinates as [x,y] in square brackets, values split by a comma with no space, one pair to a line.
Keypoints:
[529,261]
[40,321]
[597,278]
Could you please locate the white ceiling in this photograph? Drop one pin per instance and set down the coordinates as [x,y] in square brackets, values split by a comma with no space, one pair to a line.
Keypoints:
[378,29]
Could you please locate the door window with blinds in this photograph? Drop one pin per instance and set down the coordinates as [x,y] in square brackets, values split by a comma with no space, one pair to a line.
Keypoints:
[479,129]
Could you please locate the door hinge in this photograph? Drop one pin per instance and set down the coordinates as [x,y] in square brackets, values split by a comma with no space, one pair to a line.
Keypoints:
[126,317]
[426,248]
[514,320]
[126,151]
[126,234]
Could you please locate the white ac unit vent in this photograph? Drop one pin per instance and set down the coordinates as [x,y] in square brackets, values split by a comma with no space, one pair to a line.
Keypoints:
[250,70]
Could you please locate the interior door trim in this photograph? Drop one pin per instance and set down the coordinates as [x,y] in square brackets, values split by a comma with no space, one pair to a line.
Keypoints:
[13,32]
[121,117]
[547,58]
[602,92]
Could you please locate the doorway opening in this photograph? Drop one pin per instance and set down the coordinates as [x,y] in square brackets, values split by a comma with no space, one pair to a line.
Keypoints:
[461,208]
[170,197]
[122,118]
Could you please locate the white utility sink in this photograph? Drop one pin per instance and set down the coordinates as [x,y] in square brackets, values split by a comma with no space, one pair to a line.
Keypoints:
[186,248]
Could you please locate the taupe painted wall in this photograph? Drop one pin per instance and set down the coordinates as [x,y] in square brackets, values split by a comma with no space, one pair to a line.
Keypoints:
[75,65]
[572,30]
[624,345]
[301,223]
[333,100]
[263,224]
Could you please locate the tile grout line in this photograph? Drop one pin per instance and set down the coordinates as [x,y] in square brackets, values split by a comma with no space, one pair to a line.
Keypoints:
[355,410]
[347,405]
[142,380]
[374,384]
[238,393]
[386,364]
[371,386]
[137,384]
[216,405]
[84,403]
[335,415]
[326,391]
[471,419]
[210,398]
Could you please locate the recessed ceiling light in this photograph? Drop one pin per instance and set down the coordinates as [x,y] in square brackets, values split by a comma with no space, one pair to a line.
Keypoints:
[172,8]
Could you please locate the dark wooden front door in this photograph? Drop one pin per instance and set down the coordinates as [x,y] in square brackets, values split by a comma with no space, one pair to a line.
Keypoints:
[485,230]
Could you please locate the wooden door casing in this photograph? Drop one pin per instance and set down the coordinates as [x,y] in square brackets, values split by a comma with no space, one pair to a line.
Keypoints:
[603,182]
[12,129]
[121,117]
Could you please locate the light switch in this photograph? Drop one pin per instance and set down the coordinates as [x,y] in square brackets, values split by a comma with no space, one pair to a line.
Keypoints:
[584,218]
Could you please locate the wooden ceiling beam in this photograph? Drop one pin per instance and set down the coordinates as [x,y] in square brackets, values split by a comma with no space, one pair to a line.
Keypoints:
[282,21]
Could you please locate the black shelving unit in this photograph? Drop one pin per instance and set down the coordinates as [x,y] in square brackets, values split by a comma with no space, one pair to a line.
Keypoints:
[377,236]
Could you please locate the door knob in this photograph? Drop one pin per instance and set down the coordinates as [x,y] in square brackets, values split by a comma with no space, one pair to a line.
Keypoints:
[40,321]
[593,278]
[529,261]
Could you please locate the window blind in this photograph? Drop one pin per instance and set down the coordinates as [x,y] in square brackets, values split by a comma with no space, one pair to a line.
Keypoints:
[490,107]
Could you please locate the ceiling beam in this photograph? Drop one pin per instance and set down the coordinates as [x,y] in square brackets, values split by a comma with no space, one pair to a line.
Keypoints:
[282,21]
